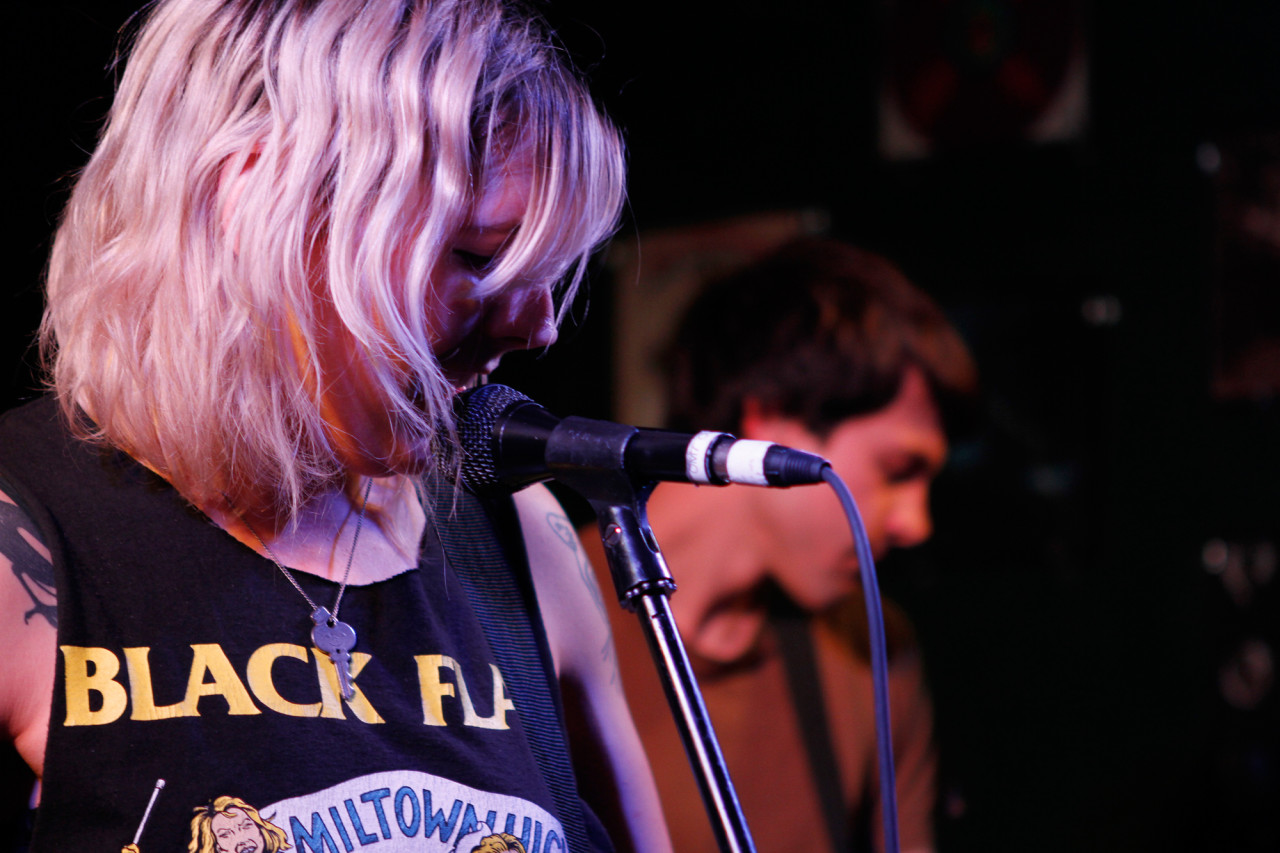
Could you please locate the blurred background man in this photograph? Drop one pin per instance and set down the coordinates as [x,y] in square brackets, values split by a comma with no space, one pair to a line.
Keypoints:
[828,348]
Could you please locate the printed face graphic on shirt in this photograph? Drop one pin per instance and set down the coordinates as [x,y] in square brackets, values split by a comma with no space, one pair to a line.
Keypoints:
[230,825]
[235,832]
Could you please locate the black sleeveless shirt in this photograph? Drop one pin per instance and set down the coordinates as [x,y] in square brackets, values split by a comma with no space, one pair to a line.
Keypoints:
[186,676]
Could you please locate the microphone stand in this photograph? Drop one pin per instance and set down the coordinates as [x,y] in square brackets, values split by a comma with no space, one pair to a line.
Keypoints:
[590,465]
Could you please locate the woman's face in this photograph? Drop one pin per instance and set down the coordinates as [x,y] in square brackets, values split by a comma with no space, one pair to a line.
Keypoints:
[470,329]
[472,332]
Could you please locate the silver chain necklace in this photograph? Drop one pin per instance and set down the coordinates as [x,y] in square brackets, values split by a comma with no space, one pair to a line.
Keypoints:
[330,635]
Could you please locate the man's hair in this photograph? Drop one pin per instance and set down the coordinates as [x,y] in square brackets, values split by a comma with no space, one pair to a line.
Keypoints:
[184,321]
[203,839]
[819,331]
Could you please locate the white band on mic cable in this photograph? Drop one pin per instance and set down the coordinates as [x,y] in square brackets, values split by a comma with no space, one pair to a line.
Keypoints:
[696,464]
[746,462]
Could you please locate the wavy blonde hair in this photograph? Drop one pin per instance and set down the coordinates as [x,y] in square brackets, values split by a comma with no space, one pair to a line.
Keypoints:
[184,320]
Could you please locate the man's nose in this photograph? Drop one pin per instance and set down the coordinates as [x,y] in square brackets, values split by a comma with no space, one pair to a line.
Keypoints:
[522,317]
[910,522]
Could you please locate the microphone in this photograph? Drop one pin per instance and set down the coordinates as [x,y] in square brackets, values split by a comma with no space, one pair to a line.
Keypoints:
[509,442]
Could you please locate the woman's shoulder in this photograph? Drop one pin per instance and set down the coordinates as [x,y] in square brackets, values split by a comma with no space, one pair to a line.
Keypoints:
[28,630]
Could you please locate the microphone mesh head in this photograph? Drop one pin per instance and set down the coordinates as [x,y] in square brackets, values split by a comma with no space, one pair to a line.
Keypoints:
[480,410]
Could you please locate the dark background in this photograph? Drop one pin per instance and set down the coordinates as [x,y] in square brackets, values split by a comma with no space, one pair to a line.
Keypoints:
[1076,638]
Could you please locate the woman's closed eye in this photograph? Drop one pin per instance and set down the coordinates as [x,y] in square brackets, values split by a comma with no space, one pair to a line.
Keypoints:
[475,261]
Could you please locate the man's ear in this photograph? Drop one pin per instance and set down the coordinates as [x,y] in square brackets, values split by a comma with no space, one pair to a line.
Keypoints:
[764,423]
[236,174]
[754,419]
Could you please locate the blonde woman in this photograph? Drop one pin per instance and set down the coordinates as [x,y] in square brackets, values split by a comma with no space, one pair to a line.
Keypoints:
[235,554]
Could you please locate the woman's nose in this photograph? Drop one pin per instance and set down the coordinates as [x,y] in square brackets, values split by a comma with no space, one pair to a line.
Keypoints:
[522,317]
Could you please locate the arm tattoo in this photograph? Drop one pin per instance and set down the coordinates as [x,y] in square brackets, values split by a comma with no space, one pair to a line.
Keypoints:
[31,568]
[564,531]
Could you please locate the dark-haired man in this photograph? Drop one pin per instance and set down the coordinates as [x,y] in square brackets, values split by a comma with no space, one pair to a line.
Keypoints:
[831,349]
